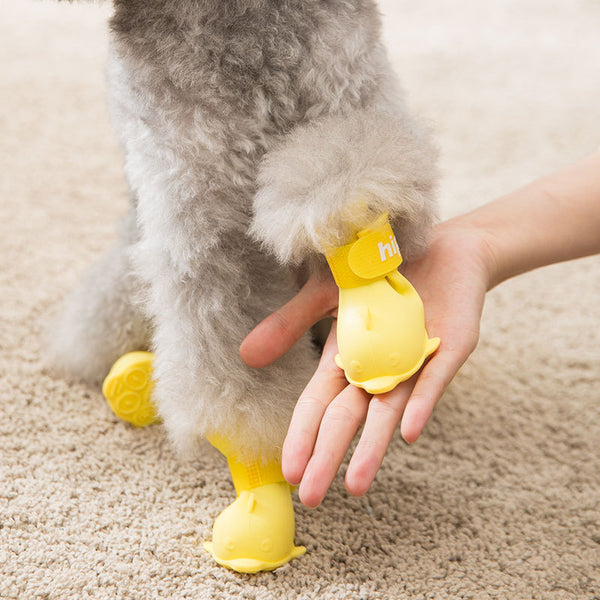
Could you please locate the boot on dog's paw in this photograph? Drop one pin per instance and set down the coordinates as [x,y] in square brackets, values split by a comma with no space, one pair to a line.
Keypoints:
[128,389]
[256,532]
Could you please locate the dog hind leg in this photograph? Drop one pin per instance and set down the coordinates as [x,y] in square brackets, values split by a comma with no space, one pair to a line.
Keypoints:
[100,320]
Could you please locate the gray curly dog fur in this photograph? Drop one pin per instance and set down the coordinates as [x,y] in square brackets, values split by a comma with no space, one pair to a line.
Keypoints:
[257,134]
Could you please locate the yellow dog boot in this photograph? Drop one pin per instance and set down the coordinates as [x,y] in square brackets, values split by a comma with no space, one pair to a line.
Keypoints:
[255,532]
[128,389]
[381,332]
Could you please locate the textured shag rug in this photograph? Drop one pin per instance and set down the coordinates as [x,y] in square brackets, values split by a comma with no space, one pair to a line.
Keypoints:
[499,499]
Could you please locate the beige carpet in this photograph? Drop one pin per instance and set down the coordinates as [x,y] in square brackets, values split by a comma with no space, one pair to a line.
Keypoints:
[499,499]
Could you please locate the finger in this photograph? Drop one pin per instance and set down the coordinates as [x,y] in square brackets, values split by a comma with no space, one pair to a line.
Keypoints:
[429,388]
[327,382]
[383,417]
[274,336]
[339,425]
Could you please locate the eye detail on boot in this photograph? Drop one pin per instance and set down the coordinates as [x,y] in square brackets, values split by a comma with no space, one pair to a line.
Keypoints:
[355,368]
[395,359]
[229,545]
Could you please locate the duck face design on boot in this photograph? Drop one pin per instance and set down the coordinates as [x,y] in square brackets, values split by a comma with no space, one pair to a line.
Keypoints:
[255,532]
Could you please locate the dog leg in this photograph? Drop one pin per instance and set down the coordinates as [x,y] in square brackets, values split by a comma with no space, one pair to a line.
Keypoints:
[328,179]
[255,532]
[203,389]
[100,320]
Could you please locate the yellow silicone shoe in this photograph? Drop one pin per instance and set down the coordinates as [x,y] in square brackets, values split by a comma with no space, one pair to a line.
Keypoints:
[381,332]
[256,532]
[128,389]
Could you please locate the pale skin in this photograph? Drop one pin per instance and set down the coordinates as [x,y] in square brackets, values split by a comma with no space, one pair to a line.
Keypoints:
[553,219]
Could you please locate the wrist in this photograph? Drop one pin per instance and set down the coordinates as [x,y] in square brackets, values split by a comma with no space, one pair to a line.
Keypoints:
[552,219]
[479,243]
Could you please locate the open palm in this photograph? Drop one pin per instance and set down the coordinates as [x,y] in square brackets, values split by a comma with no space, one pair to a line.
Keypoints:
[452,278]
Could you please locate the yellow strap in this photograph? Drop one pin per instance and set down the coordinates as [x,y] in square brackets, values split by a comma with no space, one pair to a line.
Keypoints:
[246,476]
[246,472]
[374,254]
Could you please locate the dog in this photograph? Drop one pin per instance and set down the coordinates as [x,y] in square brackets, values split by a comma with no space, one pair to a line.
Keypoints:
[256,135]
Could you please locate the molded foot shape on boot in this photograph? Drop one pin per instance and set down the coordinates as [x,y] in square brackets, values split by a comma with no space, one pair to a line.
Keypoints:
[256,532]
[381,332]
[128,389]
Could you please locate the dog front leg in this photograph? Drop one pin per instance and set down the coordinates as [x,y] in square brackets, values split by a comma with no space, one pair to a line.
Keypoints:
[201,311]
[333,177]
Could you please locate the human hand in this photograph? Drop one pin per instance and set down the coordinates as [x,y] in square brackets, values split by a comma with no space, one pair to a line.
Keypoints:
[452,278]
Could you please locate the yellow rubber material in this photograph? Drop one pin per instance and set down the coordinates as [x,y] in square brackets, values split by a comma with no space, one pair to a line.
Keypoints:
[246,473]
[255,532]
[373,254]
[128,389]
[381,333]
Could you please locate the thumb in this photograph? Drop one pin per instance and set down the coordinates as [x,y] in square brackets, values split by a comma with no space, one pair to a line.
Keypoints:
[274,336]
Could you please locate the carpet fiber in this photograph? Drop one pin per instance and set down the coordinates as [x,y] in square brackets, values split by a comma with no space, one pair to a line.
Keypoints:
[499,499]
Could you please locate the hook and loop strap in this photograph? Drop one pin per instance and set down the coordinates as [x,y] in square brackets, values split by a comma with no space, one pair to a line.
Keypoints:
[373,255]
[247,472]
